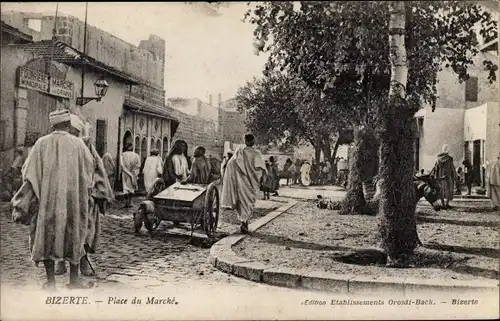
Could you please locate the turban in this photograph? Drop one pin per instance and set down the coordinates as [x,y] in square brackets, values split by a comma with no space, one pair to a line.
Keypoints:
[76,122]
[445,149]
[59,116]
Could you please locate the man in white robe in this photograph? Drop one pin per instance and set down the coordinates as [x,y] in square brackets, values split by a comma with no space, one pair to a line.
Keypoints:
[230,154]
[305,172]
[241,181]
[130,163]
[153,168]
[53,199]
[101,195]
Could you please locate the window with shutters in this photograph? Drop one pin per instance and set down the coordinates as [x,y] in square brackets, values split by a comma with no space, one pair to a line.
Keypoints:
[100,140]
[471,89]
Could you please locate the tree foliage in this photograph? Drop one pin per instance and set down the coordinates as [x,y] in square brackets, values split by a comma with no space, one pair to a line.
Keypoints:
[338,44]
[285,111]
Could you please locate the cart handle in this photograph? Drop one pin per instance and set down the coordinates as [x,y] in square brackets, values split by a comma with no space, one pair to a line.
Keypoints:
[187,189]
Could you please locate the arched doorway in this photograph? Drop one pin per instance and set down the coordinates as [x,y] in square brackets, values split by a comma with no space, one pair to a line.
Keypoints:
[144,155]
[144,149]
[165,147]
[127,138]
[137,146]
[158,147]
[152,145]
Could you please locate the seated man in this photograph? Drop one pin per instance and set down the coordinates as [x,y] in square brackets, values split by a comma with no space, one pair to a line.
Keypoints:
[200,170]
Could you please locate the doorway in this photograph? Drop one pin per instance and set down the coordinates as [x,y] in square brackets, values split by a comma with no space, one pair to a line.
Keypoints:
[158,147]
[100,139]
[476,162]
[41,104]
[127,138]
[143,154]
[137,146]
[144,150]
[165,147]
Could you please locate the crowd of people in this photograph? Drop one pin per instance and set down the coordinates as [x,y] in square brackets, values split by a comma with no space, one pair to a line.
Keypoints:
[308,173]
[65,185]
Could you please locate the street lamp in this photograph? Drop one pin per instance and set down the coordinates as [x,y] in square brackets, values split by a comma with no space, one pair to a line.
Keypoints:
[100,86]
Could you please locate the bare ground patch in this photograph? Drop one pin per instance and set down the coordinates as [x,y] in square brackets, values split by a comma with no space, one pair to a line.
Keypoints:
[457,244]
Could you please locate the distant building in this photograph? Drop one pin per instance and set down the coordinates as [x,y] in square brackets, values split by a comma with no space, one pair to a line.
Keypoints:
[467,117]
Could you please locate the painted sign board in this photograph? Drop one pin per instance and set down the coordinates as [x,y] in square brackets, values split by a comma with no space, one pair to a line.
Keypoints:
[39,81]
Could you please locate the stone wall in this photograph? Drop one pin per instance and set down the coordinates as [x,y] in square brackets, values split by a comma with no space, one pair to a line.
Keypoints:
[199,124]
[146,61]
[232,122]
[11,60]
[452,93]
[197,131]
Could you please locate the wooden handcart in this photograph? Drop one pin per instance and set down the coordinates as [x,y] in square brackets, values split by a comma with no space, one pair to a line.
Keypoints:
[195,204]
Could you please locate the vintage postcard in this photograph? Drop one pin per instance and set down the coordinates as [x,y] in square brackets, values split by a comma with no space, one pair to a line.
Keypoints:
[315,160]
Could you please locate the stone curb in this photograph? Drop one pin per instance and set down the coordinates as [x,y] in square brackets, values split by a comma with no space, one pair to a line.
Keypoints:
[225,259]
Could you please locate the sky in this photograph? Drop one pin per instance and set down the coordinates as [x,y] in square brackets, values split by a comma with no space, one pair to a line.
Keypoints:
[206,54]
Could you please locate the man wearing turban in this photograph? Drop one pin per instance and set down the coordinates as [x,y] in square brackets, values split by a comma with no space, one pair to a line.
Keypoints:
[54,198]
[444,171]
[241,181]
[101,194]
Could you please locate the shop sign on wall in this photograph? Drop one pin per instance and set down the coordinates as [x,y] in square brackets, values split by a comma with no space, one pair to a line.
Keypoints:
[39,81]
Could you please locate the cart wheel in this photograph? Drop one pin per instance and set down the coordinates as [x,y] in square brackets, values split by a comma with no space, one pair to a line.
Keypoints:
[151,221]
[211,210]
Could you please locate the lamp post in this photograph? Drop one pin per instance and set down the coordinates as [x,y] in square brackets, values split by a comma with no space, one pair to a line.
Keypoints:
[101,85]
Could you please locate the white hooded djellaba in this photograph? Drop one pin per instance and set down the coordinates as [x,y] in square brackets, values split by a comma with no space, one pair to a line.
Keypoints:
[54,197]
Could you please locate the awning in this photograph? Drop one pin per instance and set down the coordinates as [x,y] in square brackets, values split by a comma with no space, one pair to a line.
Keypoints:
[138,106]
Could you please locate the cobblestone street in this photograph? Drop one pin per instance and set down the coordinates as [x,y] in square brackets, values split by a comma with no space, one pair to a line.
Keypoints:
[125,259]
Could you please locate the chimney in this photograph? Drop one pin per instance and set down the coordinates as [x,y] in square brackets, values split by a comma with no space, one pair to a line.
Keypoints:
[210,99]
[219,100]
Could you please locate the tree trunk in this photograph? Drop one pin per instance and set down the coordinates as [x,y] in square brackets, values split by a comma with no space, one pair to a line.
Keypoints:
[328,154]
[332,160]
[397,224]
[354,201]
[317,153]
[334,152]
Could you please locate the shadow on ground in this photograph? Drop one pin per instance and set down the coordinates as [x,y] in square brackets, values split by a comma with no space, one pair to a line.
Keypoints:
[429,219]
[422,259]
[428,256]
[482,251]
